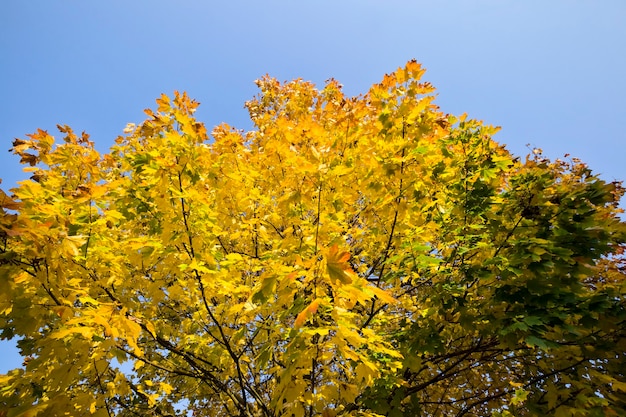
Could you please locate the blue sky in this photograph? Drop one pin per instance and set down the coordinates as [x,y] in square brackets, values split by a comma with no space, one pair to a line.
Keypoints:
[551,73]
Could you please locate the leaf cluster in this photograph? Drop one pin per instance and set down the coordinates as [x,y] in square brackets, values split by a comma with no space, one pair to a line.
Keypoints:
[364,256]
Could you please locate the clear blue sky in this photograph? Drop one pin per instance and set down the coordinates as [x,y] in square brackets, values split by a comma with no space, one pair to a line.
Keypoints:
[551,73]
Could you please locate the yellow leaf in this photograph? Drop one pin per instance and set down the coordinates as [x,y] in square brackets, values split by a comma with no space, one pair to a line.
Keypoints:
[166,388]
[85,331]
[21,277]
[85,299]
[381,294]
[366,372]
[150,328]
[620,386]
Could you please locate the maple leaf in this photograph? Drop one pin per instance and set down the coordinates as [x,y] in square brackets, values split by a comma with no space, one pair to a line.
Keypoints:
[306,313]
[337,265]
[7,202]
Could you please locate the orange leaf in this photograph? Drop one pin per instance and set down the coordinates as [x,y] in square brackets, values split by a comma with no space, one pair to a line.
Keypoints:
[337,265]
[8,203]
[306,313]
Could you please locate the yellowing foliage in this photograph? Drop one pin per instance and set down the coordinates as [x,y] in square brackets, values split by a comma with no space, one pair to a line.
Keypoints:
[349,256]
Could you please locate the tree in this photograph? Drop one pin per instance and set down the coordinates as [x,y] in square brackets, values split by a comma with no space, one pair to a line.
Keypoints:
[356,256]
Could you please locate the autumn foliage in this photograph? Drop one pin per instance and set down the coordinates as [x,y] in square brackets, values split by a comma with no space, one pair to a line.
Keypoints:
[364,256]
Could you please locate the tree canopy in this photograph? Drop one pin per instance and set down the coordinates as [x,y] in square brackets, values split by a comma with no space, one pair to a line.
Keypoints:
[348,256]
